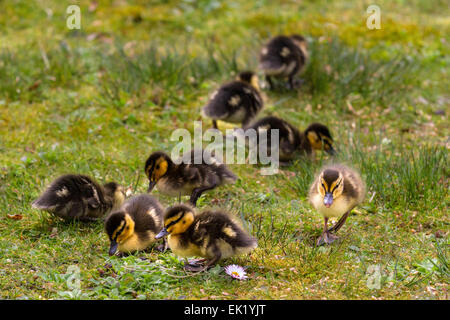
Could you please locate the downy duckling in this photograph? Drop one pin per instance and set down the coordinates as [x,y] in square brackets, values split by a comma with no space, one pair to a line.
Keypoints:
[213,235]
[283,56]
[236,102]
[75,196]
[291,141]
[334,193]
[134,226]
[201,172]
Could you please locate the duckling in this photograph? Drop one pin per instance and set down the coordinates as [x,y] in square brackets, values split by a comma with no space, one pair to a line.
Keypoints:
[235,102]
[192,178]
[75,196]
[283,56]
[291,141]
[334,193]
[317,136]
[133,227]
[213,235]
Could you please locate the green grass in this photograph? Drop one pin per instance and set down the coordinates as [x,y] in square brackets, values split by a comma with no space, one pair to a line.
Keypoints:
[97,101]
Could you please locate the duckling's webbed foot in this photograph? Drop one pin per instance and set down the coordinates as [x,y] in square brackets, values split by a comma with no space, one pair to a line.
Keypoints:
[161,247]
[189,266]
[326,238]
[195,265]
[299,82]
[294,83]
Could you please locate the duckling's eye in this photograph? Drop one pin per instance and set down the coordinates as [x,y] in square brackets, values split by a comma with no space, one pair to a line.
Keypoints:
[157,167]
[335,187]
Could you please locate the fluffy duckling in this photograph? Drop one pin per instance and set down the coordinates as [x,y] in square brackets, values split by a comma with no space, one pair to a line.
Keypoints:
[75,196]
[134,226]
[334,193]
[192,177]
[235,102]
[212,235]
[283,56]
[316,137]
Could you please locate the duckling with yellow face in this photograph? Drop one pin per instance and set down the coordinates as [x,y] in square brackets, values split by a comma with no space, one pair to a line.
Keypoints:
[79,197]
[235,102]
[283,57]
[133,227]
[334,193]
[317,137]
[212,235]
[192,178]
[291,141]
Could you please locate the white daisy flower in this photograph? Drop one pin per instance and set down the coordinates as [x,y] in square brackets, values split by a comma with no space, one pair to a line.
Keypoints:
[236,272]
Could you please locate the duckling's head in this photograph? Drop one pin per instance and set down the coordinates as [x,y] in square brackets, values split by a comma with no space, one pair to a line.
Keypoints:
[116,192]
[320,138]
[156,167]
[176,220]
[330,186]
[249,77]
[119,226]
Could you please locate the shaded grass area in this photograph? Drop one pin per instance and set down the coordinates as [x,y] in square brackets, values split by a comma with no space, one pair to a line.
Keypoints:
[100,106]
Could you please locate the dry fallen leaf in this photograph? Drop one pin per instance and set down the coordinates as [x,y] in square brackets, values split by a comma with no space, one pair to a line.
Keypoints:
[35,85]
[15,216]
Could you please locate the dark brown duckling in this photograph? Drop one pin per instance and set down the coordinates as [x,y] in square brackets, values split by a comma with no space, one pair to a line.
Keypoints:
[283,57]
[235,102]
[75,196]
[292,142]
[192,178]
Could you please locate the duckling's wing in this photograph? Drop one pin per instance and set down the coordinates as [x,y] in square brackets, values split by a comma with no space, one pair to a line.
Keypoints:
[280,57]
[313,190]
[223,226]
[228,100]
[271,64]
[289,136]
[68,194]
[354,186]
[146,212]
[218,107]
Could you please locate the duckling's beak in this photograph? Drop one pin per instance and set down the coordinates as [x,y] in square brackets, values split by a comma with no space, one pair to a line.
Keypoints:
[113,248]
[328,199]
[163,233]
[331,151]
[151,185]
